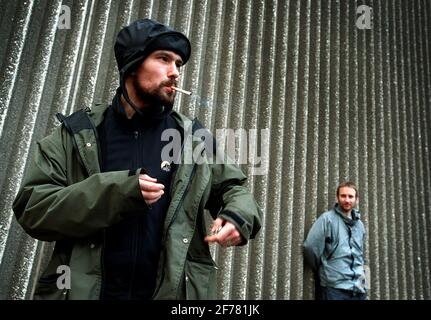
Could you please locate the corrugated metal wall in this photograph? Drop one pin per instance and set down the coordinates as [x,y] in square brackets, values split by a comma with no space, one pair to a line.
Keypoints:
[339,102]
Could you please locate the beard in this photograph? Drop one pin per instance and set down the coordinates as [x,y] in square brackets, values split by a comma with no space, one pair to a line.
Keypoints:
[346,207]
[156,97]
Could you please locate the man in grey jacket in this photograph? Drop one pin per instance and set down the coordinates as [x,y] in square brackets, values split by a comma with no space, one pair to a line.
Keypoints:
[334,249]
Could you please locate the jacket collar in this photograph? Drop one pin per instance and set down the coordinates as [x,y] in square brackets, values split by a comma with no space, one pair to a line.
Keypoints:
[356,215]
[146,114]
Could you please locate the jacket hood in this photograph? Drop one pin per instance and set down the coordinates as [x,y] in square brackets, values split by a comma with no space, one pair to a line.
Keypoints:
[138,40]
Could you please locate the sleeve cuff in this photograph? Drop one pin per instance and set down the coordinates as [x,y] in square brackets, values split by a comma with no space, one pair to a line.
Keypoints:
[238,222]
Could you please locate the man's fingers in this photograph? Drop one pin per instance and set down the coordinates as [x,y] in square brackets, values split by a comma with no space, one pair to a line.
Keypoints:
[152,195]
[218,232]
[147,177]
[232,239]
[227,236]
[152,201]
[151,190]
[146,185]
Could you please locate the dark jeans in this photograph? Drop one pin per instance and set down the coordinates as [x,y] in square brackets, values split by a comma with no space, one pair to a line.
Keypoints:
[328,293]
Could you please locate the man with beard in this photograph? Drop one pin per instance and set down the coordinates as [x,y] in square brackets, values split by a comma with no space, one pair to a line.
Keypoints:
[334,249]
[128,223]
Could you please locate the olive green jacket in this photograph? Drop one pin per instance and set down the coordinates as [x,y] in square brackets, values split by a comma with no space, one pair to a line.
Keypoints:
[65,198]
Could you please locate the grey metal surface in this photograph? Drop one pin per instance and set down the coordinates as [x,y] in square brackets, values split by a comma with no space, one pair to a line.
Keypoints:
[339,103]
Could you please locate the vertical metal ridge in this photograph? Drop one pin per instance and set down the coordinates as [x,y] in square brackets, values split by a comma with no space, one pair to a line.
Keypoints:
[396,155]
[426,119]
[324,94]
[147,7]
[93,56]
[277,137]
[334,100]
[311,208]
[301,178]
[393,274]
[224,257]
[22,271]
[10,67]
[265,120]
[256,261]
[194,67]
[282,88]
[381,164]
[363,136]
[183,23]
[28,120]
[412,164]
[424,159]
[344,96]
[353,88]
[291,137]
[418,137]
[206,95]
[405,164]
[373,227]
[67,70]
[8,13]
[240,80]
[165,9]
[33,96]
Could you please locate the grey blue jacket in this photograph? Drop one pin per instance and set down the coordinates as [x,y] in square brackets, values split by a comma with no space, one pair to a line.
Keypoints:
[65,198]
[334,248]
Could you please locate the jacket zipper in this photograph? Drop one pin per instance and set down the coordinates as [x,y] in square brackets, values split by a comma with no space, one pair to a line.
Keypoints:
[177,209]
[352,265]
[137,230]
[173,218]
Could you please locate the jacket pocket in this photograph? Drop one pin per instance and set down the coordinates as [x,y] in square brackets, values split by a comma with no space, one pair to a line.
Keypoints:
[200,278]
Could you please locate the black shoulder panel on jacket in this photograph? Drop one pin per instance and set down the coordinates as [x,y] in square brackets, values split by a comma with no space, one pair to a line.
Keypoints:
[77,121]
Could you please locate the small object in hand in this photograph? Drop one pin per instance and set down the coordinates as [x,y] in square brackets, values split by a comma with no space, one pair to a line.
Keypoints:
[217,231]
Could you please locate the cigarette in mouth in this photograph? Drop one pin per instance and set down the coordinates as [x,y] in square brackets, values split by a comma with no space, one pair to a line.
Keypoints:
[182,91]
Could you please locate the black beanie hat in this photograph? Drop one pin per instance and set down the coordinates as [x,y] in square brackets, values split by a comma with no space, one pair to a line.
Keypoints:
[139,39]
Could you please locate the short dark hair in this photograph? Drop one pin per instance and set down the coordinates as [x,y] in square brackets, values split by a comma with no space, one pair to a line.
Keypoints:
[348,184]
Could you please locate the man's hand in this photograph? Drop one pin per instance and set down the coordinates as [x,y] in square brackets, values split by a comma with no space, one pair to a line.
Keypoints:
[224,233]
[150,189]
